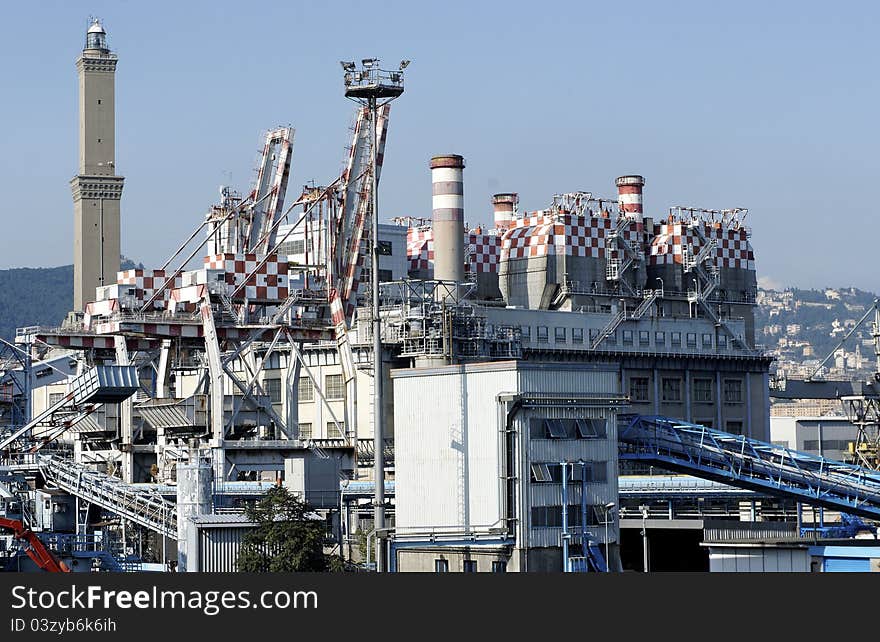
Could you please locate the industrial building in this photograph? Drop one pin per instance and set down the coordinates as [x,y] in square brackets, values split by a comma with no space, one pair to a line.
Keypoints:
[487,388]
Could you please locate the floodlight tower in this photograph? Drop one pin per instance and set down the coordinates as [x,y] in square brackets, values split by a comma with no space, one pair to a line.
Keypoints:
[373,87]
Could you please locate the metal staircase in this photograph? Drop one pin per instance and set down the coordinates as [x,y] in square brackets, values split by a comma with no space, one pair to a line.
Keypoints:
[748,463]
[142,506]
[615,242]
[88,391]
[608,329]
[644,305]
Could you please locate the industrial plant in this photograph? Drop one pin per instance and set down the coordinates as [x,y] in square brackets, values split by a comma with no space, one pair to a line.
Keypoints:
[574,388]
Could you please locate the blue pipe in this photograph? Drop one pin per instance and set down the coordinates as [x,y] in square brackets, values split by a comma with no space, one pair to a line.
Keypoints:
[565,534]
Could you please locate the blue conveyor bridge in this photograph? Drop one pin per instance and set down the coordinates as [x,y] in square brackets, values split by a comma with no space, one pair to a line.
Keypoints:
[748,463]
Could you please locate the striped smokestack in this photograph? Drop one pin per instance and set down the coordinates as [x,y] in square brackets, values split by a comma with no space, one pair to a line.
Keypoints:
[629,194]
[505,206]
[448,218]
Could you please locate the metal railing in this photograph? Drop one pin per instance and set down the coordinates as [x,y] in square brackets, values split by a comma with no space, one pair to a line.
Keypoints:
[748,463]
[144,507]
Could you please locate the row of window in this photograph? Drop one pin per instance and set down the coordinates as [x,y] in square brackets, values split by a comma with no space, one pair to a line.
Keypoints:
[468,566]
[334,388]
[628,337]
[827,444]
[334,431]
[593,471]
[567,429]
[733,426]
[671,389]
[551,516]
[298,246]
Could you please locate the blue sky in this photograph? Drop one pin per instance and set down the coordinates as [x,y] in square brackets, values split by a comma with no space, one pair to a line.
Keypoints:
[765,105]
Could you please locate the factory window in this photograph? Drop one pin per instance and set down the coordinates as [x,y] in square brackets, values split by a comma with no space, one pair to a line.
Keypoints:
[691,339]
[334,387]
[499,566]
[441,566]
[593,334]
[305,431]
[55,397]
[273,389]
[543,334]
[733,392]
[305,391]
[469,566]
[827,444]
[567,428]
[702,390]
[551,516]
[335,431]
[671,389]
[722,341]
[597,472]
[612,338]
[526,332]
[590,428]
[627,337]
[638,389]
[552,473]
[577,335]
[735,427]
[707,340]
[556,428]
[298,246]
[660,338]
[782,443]
[676,339]
[385,248]
[541,473]
[385,276]
[560,335]
[644,338]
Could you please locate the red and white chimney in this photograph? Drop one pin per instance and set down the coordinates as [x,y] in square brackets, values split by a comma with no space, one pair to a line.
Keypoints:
[505,209]
[629,195]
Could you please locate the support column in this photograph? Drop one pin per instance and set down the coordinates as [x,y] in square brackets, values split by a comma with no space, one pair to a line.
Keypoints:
[126,432]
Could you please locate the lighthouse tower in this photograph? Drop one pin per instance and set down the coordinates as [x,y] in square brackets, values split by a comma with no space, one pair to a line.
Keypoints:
[97,189]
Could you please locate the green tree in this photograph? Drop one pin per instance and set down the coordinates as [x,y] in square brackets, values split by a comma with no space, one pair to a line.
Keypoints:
[287,538]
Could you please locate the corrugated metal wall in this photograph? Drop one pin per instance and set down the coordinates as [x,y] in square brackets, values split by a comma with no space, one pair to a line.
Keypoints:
[581,379]
[218,548]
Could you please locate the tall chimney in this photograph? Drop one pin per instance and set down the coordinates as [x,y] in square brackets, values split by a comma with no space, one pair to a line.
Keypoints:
[629,195]
[505,206]
[448,217]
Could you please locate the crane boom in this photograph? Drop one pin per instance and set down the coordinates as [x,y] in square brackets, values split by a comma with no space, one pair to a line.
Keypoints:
[272,183]
[35,549]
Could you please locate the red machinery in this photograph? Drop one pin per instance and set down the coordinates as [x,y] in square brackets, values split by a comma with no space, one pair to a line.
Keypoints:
[36,550]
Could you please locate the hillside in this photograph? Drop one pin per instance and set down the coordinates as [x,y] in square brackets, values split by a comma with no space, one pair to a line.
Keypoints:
[801,327]
[37,296]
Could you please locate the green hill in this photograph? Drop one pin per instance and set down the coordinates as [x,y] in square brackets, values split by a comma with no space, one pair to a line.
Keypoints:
[37,296]
[34,296]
